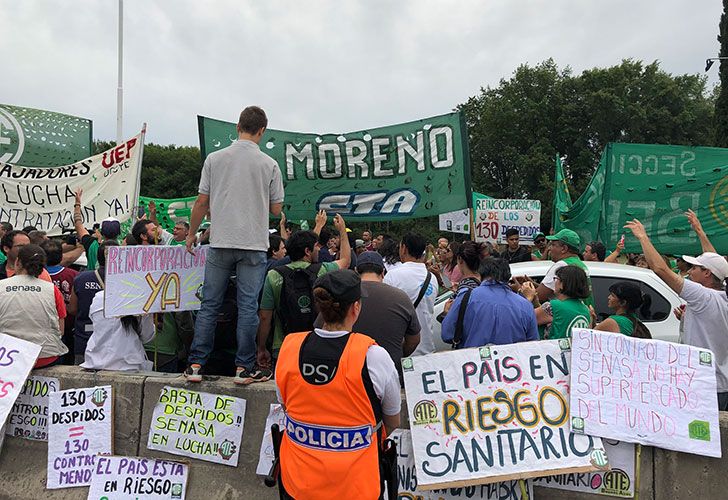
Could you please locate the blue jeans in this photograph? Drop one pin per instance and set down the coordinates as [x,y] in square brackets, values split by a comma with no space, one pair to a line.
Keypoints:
[221,264]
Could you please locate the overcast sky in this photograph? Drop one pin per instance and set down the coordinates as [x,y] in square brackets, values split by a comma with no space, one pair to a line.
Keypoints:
[319,66]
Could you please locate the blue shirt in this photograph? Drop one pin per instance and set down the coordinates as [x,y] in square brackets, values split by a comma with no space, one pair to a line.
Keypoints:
[86,287]
[494,315]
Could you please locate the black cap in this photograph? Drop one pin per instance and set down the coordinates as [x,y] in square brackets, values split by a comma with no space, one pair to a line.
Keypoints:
[343,285]
[370,258]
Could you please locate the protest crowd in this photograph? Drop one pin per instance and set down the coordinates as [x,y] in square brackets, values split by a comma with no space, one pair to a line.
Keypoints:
[329,313]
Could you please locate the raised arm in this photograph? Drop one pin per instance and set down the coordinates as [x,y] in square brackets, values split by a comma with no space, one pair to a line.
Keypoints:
[344,247]
[654,260]
[705,243]
[77,217]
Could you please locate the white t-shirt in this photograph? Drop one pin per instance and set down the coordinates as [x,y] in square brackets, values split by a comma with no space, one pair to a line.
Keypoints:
[548,280]
[705,325]
[381,371]
[409,277]
[113,347]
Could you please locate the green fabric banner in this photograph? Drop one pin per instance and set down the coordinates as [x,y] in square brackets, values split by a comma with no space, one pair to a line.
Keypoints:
[169,211]
[414,169]
[39,138]
[655,184]
[562,197]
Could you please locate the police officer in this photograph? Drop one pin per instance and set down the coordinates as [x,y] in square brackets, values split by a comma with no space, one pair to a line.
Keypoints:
[338,389]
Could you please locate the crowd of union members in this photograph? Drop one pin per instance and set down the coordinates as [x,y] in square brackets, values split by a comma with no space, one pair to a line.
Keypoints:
[45,299]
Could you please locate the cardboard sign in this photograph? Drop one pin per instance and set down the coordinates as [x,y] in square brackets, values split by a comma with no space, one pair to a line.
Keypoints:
[81,427]
[149,279]
[44,197]
[29,417]
[455,222]
[266,456]
[644,391]
[493,217]
[120,478]
[494,413]
[510,490]
[617,482]
[198,425]
[17,358]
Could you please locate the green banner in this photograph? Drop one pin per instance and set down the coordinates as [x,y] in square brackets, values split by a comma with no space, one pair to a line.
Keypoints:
[169,211]
[39,138]
[655,184]
[414,169]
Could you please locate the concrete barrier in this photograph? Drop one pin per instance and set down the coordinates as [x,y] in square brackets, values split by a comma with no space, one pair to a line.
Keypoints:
[664,474]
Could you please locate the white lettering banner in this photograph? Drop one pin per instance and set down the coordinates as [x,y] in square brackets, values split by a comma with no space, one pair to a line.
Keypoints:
[644,391]
[44,196]
[154,278]
[494,414]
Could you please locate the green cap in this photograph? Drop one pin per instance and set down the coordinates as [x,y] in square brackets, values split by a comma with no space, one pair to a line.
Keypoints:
[538,235]
[567,236]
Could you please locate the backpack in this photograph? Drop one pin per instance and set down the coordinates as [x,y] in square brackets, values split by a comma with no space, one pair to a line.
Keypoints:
[296,310]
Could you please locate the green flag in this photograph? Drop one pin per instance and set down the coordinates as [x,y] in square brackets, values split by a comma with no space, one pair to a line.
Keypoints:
[562,197]
[39,138]
[414,169]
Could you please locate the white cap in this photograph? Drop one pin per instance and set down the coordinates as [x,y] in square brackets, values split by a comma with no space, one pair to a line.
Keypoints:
[713,262]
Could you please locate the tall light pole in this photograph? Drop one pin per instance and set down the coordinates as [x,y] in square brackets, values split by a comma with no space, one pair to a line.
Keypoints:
[120,88]
[711,60]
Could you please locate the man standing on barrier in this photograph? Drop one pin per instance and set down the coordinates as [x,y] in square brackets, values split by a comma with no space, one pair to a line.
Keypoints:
[338,389]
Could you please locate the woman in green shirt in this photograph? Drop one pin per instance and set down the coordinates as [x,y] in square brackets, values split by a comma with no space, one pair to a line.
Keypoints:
[625,298]
[566,311]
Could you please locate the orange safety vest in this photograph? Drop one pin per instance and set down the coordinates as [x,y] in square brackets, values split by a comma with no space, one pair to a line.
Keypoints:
[330,447]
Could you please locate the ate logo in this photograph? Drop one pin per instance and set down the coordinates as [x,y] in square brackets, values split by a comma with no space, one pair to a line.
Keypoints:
[12,140]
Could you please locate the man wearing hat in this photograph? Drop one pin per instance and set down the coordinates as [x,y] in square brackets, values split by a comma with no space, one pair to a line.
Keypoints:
[387,314]
[705,320]
[539,247]
[341,395]
[565,248]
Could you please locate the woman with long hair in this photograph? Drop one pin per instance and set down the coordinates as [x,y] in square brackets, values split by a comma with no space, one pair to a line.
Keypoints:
[117,343]
[30,309]
[468,262]
[567,310]
[625,299]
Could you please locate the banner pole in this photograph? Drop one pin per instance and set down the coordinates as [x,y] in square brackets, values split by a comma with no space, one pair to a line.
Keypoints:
[638,468]
[524,490]
[120,84]
[138,187]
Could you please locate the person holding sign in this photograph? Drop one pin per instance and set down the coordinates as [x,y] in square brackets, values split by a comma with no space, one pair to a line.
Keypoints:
[705,320]
[341,395]
[566,310]
[30,308]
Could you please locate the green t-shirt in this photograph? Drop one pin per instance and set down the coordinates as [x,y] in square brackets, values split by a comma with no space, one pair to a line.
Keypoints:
[175,243]
[272,293]
[625,324]
[576,261]
[166,341]
[91,256]
[3,258]
[568,314]
[537,253]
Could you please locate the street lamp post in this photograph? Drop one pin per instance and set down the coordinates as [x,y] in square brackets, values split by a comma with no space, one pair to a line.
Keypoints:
[709,62]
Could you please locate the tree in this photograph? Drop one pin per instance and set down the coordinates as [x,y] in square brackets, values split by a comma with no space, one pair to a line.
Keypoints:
[516,129]
[721,104]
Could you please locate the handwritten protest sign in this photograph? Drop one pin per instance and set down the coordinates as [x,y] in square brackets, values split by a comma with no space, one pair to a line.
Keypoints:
[17,358]
[455,222]
[29,416]
[493,217]
[198,425]
[81,427]
[509,490]
[644,391]
[617,482]
[43,197]
[276,415]
[149,279]
[495,413]
[120,478]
